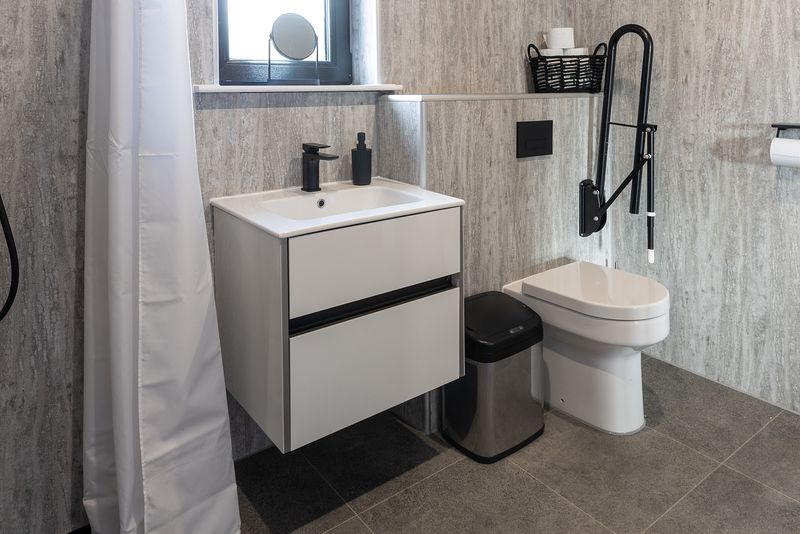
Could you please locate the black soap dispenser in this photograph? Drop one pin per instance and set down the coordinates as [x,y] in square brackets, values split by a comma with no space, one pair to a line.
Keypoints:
[362,161]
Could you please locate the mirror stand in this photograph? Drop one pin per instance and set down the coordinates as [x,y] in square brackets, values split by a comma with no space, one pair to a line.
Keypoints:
[294,81]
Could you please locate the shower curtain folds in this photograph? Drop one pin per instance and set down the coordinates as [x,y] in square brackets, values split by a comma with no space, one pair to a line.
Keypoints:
[157,450]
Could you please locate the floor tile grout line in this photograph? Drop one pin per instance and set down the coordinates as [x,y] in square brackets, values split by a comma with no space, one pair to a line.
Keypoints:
[676,440]
[761,483]
[420,481]
[337,525]
[324,479]
[719,465]
[676,503]
[587,514]
[679,442]
[365,524]
[347,521]
[753,436]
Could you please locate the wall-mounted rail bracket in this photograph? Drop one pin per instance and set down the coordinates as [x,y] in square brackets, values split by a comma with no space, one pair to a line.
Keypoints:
[592,205]
[782,126]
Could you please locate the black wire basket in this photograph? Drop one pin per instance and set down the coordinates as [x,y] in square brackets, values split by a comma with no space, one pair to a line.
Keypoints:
[568,74]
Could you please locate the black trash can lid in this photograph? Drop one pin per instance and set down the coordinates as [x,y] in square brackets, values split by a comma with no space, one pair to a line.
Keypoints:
[498,326]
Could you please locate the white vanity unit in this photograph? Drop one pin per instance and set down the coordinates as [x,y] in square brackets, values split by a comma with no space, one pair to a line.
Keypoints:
[336,305]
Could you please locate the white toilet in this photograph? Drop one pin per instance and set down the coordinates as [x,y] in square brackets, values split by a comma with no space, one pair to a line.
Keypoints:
[597,320]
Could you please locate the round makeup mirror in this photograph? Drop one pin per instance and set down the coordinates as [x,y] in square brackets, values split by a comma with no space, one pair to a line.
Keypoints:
[293,36]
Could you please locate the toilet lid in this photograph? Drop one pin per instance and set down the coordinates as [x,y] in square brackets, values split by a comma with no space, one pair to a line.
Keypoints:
[599,291]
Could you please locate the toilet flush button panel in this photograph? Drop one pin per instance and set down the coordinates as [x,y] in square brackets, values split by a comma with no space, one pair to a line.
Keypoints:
[534,138]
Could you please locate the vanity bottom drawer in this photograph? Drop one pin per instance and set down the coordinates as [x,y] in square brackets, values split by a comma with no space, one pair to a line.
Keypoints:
[347,372]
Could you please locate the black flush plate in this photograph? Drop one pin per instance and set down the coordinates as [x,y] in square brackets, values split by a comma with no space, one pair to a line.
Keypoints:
[534,138]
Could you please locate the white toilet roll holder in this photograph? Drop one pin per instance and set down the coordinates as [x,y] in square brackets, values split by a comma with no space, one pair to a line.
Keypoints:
[785,152]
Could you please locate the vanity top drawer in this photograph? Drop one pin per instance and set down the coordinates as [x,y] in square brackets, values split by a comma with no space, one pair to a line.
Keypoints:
[335,267]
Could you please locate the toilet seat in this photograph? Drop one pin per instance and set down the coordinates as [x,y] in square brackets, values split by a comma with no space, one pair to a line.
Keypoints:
[600,292]
[639,334]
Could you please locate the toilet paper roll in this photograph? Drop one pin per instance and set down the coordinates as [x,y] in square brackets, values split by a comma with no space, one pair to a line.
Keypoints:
[785,152]
[560,38]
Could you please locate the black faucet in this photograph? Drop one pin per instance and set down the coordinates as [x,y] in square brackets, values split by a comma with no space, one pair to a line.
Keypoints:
[311,157]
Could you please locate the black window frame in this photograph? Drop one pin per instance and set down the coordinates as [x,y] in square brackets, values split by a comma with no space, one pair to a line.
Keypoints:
[337,71]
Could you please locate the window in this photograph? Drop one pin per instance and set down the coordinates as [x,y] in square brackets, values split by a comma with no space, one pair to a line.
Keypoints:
[244,29]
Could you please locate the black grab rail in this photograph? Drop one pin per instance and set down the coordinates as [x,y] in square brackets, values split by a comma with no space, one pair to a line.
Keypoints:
[593,205]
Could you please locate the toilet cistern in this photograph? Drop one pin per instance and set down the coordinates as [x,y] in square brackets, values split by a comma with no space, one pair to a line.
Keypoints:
[311,159]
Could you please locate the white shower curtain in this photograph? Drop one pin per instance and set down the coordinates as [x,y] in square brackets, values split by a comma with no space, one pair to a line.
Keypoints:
[157,450]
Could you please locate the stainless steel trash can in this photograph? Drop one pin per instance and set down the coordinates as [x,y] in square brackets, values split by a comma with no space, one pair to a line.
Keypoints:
[496,408]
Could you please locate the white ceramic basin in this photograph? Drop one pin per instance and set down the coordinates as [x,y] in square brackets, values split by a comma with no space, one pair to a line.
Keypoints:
[326,204]
[293,212]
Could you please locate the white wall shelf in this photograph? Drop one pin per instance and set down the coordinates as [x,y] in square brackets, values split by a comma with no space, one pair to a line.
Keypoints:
[372,88]
[477,96]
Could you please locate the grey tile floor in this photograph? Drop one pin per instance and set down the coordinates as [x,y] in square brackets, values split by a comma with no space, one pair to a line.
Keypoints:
[710,460]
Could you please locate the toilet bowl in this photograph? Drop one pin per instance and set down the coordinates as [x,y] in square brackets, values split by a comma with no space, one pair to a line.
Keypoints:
[597,320]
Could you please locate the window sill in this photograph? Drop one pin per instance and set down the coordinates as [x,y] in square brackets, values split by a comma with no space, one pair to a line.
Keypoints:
[372,88]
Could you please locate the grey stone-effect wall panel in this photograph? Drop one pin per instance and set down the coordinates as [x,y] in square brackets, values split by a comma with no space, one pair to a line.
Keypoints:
[364,41]
[400,141]
[44,57]
[200,19]
[726,243]
[521,216]
[253,142]
[471,46]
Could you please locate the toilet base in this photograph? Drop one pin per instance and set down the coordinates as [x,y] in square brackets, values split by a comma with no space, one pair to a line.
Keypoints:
[600,385]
